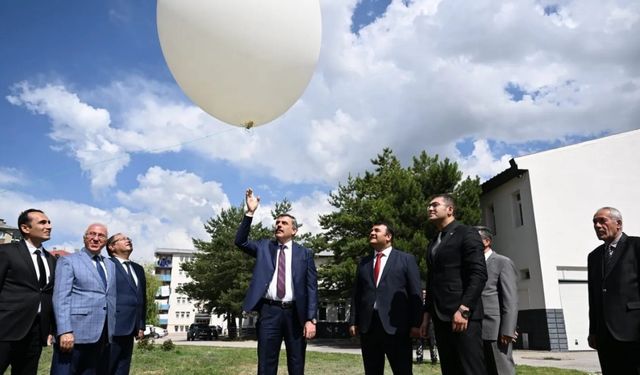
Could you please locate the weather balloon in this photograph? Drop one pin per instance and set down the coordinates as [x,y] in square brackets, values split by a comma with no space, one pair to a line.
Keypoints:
[245,62]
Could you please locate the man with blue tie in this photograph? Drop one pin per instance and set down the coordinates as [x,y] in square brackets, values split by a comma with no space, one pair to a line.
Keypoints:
[283,290]
[131,303]
[26,285]
[84,303]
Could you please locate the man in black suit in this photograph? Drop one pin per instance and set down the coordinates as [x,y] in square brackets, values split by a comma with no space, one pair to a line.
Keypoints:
[26,286]
[283,290]
[131,303]
[456,274]
[614,295]
[386,308]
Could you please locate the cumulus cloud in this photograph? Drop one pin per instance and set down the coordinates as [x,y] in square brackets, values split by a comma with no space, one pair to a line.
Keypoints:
[423,76]
[166,209]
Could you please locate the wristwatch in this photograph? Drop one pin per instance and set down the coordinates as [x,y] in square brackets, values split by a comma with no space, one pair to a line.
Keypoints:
[465,313]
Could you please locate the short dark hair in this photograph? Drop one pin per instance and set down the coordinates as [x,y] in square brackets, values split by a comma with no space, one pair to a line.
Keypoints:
[111,240]
[294,221]
[448,199]
[389,227]
[23,218]
[485,233]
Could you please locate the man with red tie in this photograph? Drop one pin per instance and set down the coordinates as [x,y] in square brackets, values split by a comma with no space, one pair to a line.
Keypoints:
[386,307]
[283,290]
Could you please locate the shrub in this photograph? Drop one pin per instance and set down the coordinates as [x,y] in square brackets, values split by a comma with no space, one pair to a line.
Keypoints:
[145,344]
[168,345]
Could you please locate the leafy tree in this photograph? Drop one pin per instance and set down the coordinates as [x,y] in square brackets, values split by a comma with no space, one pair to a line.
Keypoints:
[396,195]
[153,283]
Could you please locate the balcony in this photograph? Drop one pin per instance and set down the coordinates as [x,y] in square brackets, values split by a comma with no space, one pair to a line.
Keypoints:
[163,306]
[163,263]
[163,321]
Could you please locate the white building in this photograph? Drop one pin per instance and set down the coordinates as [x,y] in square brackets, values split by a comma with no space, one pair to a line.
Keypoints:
[541,211]
[177,311]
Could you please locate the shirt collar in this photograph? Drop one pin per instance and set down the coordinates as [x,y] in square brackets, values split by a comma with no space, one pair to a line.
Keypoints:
[385,251]
[32,248]
[122,261]
[614,243]
[288,244]
[488,254]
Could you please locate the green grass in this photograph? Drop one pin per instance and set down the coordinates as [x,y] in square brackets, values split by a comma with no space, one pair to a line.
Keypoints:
[196,360]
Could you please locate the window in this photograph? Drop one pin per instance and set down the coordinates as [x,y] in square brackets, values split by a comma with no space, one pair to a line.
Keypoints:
[517,209]
[341,312]
[177,314]
[491,219]
[322,312]
[188,314]
[175,328]
[182,314]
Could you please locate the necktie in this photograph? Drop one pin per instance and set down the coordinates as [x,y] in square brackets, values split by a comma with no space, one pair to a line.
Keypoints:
[282,270]
[376,269]
[42,279]
[433,250]
[610,249]
[130,271]
[100,270]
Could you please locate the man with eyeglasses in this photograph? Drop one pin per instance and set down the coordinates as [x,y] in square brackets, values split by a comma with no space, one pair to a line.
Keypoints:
[131,303]
[456,275]
[84,302]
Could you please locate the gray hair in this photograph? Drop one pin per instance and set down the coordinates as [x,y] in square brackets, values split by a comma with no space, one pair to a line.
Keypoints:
[614,213]
[485,233]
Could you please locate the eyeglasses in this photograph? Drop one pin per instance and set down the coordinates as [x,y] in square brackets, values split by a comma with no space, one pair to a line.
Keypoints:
[123,239]
[101,236]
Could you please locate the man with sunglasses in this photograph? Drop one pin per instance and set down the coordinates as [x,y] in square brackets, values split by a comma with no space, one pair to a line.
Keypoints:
[84,303]
[131,303]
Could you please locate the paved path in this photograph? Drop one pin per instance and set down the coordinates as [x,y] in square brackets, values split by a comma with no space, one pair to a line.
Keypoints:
[584,361]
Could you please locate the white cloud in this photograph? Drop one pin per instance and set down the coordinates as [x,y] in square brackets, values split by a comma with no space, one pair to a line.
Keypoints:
[11,177]
[481,161]
[423,76]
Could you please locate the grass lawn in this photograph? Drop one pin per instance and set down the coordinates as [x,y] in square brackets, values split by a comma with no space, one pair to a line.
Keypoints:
[209,360]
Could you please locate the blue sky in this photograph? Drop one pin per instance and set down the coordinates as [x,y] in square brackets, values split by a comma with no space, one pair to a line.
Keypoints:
[96,129]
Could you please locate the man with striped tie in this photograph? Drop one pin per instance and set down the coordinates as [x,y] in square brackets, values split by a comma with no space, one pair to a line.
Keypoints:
[283,290]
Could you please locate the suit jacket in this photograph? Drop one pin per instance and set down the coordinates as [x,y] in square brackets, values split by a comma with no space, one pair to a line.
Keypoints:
[500,298]
[20,293]
[614,290]
[81,303]
[397,296]
[131,300]
[303,270]
[457,273]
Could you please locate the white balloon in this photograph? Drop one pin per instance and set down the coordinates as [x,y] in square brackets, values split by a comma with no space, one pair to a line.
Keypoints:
[245,62]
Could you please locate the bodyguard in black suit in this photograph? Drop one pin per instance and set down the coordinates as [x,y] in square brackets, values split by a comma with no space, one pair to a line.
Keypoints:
[131,303]
[456,274]
[26,286]
[614,296]
[386,308]
[283,290]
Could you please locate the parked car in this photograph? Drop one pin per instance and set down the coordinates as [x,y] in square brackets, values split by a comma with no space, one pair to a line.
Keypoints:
[154,332]
[200,331]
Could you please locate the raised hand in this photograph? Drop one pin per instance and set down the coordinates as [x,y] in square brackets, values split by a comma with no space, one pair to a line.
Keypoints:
[251,201]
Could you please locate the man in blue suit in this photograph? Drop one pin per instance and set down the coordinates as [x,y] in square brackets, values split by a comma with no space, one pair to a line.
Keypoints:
[283,290]
[131,303]
[84,304]
[386,307]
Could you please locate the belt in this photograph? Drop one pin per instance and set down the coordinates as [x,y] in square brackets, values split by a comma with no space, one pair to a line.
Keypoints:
[281,304]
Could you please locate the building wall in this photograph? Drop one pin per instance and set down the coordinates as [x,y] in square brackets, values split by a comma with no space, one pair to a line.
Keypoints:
[566,186]
[182,310]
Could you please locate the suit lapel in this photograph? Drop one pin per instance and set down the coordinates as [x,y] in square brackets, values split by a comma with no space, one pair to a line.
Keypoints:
[445,238]
[51,262]
[120,268]
[25,256]
[368,268]
[621,247]
[389,265]
[90,264]
[273,251]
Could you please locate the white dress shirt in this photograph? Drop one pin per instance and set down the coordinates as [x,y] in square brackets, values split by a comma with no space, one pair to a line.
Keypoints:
[273,286]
